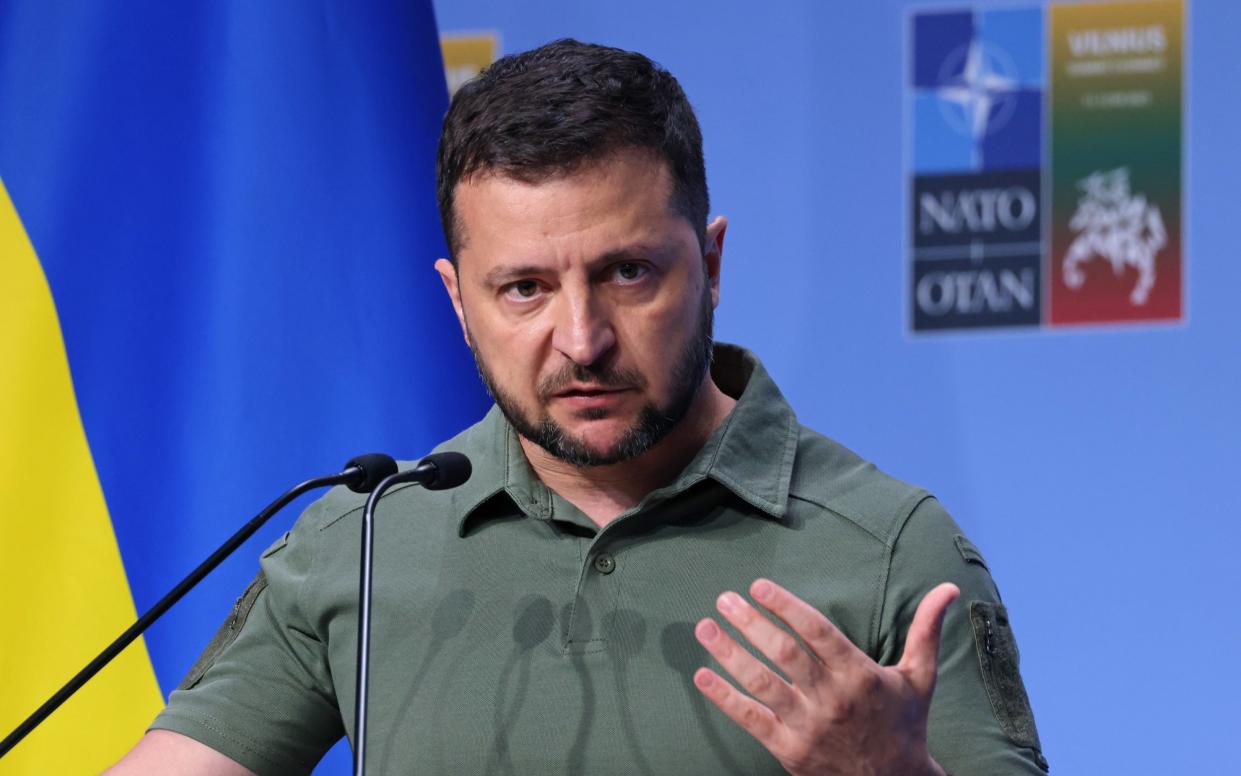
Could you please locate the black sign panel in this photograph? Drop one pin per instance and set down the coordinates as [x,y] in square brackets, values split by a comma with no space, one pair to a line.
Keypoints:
[966,293]
[985,208]
[977,250]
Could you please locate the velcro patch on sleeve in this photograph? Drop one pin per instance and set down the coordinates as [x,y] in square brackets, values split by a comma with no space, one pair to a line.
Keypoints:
[1000,662]
[227,633]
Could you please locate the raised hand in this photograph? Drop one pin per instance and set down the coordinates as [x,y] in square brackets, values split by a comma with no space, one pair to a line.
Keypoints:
[839,712]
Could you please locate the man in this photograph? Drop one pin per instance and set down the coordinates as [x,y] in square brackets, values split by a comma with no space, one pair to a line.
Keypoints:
[552,615]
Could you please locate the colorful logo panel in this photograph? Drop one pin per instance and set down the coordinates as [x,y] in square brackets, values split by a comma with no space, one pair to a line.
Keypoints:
[466,55]
[1020,221]
[1115,172]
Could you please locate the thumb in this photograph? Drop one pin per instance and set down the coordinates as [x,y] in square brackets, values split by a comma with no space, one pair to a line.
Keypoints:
[921,657]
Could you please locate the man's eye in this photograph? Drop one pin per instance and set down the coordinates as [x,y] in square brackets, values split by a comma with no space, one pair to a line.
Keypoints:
[630,271]
[522,289]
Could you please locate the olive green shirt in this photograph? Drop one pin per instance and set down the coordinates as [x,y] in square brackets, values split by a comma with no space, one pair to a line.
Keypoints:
[512,636]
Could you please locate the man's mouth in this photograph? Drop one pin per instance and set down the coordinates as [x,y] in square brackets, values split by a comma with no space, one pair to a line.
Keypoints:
[588,390]
[590,397]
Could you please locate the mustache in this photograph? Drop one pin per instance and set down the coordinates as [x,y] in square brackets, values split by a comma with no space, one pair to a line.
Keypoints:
[602,375]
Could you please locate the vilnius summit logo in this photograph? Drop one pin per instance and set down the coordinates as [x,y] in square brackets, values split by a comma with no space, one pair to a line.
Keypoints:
[1006,227]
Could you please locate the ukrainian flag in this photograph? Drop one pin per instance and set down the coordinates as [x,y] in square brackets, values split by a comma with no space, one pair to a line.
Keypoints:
[217,226]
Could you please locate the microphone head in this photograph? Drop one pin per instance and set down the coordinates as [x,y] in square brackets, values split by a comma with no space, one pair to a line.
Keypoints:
[450,470]
[371,468]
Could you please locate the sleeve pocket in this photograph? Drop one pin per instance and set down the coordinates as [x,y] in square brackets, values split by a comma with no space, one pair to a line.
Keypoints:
[227,633]
[999,660]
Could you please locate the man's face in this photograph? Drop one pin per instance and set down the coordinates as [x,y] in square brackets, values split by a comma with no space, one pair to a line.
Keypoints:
[587,303]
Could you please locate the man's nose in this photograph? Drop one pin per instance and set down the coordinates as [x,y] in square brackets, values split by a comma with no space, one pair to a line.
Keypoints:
[584,332]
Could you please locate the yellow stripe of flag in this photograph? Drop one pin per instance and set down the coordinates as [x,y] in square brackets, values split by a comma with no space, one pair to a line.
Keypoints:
[63,591]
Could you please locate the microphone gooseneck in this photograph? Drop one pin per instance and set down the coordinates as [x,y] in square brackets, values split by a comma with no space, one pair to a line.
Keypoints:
[360,474]
[438,471]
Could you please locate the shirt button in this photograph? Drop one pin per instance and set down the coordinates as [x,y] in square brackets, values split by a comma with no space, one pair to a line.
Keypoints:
[605,563]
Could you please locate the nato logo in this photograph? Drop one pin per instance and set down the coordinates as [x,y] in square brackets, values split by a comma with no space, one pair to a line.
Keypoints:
[976,110]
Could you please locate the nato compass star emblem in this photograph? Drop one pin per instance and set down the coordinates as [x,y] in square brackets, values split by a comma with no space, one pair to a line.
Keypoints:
[977,90]
[981,97]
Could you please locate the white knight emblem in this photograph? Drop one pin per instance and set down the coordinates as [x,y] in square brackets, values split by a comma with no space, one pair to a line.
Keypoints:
[1118,226]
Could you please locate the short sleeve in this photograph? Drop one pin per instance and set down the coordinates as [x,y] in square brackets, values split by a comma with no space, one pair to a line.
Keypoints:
[261,693]
[980,718]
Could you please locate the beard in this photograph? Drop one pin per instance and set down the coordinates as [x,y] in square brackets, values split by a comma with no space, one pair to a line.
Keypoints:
[654,422]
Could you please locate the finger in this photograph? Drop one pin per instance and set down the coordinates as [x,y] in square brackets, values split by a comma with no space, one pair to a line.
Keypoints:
[825,640]
[921,656]
[757,679]
[781,648]
[753,717]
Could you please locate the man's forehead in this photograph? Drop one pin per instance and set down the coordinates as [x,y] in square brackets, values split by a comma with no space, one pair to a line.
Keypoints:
[610,166]
[496,203]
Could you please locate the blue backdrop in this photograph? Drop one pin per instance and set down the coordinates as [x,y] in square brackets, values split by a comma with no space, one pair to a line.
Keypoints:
[1091,466]
[233,206]
[215,310]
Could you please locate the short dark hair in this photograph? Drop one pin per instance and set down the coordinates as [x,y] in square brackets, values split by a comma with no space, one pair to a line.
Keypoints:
[544,113]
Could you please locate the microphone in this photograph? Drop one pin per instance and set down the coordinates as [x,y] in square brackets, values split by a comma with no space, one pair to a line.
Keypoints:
[369,470]
[438,471]
[360,475]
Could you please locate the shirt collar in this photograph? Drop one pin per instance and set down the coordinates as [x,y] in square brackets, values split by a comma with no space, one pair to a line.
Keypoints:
[498,467]
[750,453]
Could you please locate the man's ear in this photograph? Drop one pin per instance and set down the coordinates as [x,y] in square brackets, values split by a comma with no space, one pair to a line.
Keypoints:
[448,274]
[714,255]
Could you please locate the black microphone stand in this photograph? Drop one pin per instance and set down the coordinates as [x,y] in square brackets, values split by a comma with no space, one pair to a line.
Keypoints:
[435,472]
[355,473]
